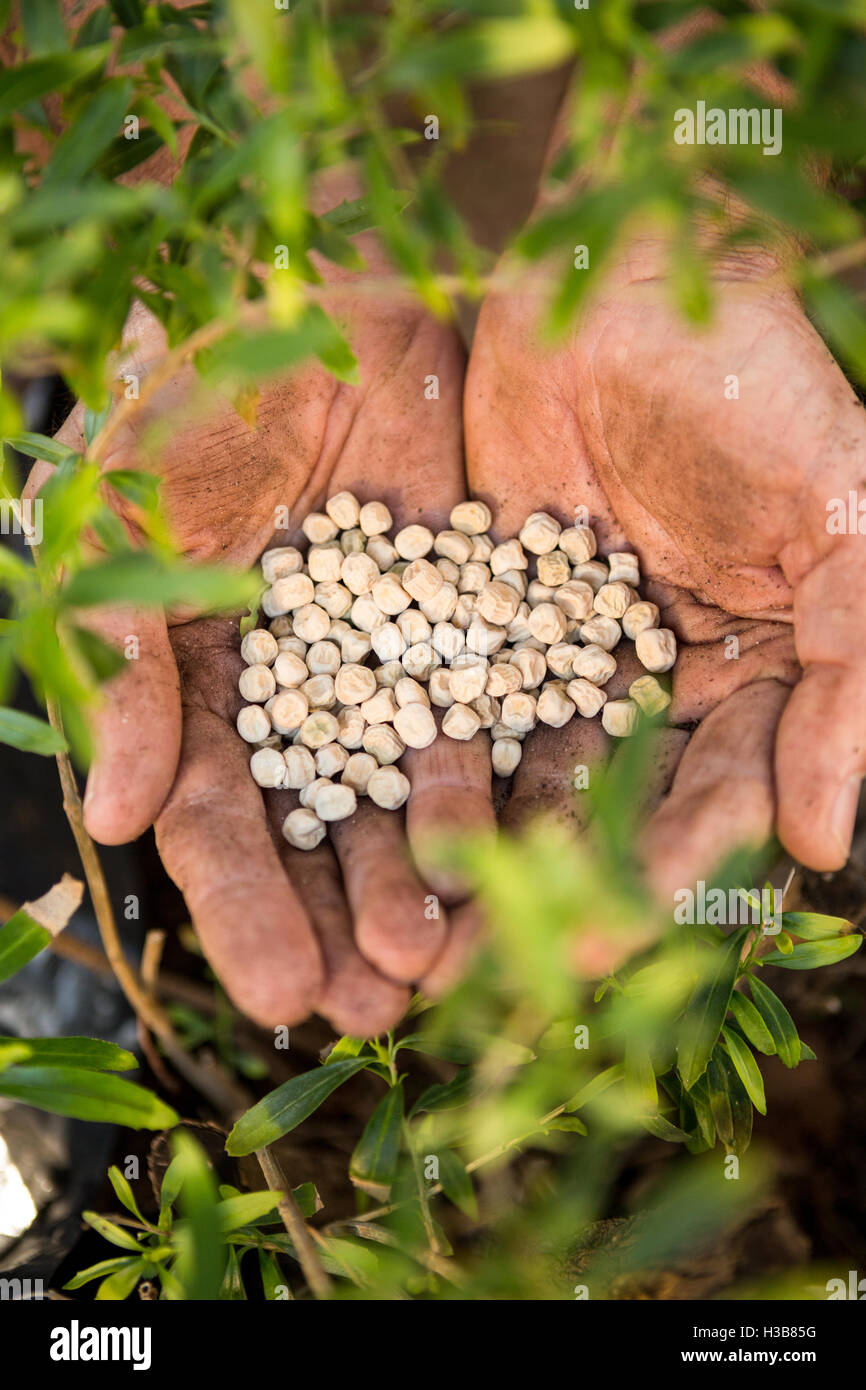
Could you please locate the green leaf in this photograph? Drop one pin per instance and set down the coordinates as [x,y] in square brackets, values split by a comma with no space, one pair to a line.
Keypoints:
[89,1054]
[232,1290]
[344,1047]
[120,1285]
[30,734]
[699,1098]
[30,81]
[141,578]
[752,1024]
[85,140]
[284,1109]
[253,357]
[663,1129]
[87,1095]
[373,1165]
[203,1256]
[274,1282]
[747,1069]
[779,1022]
[124,1192]
[491,48]
[43,26]
[307,1197]
[447,1095]
[814,926]
[810,955]
[596,1087]
[12,1050]
[20,940]
[457,1183]
[705,1011]
[109,1231]
[730,1103]
[246,1209]
[99,1271]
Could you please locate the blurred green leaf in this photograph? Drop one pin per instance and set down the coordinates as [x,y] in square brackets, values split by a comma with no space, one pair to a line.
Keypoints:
[88,1054]
[141,578]
[814,926]
[30,734]
[20,940]
[86,1095]
[457,1183]
[809,955]
[705,1012]
[203,1256]
[39,446]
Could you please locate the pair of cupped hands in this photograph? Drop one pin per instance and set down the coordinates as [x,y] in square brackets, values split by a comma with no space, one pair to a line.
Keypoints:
[724,499]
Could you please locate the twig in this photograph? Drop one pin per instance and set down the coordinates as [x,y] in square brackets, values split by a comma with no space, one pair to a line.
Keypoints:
[296,1227]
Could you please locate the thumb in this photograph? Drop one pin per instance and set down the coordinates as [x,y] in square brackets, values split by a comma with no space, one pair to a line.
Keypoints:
[821,743]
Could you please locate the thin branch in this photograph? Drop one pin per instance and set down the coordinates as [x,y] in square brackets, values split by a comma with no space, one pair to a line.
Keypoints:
[296,1227]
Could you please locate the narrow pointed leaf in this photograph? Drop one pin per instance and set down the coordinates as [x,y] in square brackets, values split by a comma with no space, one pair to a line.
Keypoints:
[285,1108]
[373,1165]
[705,1011]
[746,1068]
[778,1021]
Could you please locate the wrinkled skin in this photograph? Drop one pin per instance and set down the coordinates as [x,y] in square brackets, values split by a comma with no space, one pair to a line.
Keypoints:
[725,502]
[342,930]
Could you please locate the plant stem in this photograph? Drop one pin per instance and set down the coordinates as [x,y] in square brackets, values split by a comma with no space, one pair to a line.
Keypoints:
[296,1227]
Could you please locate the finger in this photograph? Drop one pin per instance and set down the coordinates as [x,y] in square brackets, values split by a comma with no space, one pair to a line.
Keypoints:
[723,794]
[450,800]
[214,840]
[136,728]
[555,772]
[355,999]
[821,748]
[465,936]
[399,926]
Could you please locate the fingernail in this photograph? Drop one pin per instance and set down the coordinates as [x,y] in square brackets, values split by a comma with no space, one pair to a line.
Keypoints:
[844,814]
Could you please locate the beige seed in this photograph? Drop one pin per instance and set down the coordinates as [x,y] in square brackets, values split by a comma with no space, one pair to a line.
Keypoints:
[389,644]
[591,572]
[259,647]
[311,623]
[594,664]
[448,641]
[293,592]
[420,660]
[619,718]
[335,802]
[464,611]
[439,687]
[319,528]
[388,788]
[288,709]
[532,666]
[488,709]
[384,743]
[554,569]
[350,728]
[380,549]
[448,570]
[601,632]
[253,724]
[579,544]
[307,795]
[518,628]
[441,606]
[624,566]
[500,730]
[323,659]
[538,593]
[547,623]
[518,711]
[468,681]
[381,707]
[656,648]
[639,616]
[471,517]
[366,613]
[498,602]
[354,683]
[353,542]
[280,627]
[358,771]
[319,690]
[414,626]
[290,671]
[280,562]
[612,600]
[473,577]
[354,647]
[510,555]
[515,579]
[413,542]
[359,572]
[267,767]
[502,679]
[460,721]
[344,510]
[324,563]
[300,767]
[575,599]
[335,599]
[454,546]
[293,645]
[319,728]
[587,697]
[388,674]
[560,658]
[390,596]
[303,829]
[375,519]
[540,533]
[410,692]
[482,548]
[257,684]
[415,725]
[649,695]
[422,580]
[507,753]
[554,707]
[483,638]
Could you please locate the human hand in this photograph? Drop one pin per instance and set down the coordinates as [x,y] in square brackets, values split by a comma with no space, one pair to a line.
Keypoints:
[725,501]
